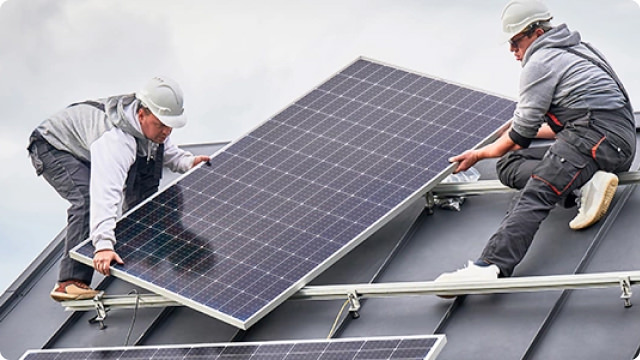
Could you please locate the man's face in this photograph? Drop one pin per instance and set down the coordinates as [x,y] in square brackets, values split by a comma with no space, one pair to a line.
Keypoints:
[153,128]
[521,42]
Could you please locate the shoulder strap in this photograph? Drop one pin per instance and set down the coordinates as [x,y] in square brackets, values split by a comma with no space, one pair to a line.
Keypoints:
[95,104]
[602,64]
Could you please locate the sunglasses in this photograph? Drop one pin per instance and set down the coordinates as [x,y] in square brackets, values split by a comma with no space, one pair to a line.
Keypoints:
[515,41]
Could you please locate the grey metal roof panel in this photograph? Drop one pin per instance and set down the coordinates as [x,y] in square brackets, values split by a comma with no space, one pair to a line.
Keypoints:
[31,317]
[182,325]
[79,331]
[592,323]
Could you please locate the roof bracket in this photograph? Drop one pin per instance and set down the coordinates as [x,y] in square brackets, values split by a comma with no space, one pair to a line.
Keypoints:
[430,202]
[101,311]
[625,285]
[354,304]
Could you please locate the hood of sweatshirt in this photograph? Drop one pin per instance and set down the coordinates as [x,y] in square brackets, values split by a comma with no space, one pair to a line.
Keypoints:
[121,111]
[558,37]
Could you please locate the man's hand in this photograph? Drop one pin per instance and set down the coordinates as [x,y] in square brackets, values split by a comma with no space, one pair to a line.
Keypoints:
[465,160]
[102,261]
[199,159]
[496,149]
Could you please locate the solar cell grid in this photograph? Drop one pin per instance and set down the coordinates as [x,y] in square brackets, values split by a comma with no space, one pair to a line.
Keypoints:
[314,180]
[425,347]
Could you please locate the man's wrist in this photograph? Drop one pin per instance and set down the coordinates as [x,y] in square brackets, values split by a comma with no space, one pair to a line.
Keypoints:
[102,245]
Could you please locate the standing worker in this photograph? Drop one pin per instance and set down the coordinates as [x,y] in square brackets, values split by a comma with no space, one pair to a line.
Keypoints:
[99,154]
[569,85]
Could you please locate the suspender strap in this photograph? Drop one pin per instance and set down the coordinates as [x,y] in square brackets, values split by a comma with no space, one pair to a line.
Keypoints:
[95,104]
[602,64]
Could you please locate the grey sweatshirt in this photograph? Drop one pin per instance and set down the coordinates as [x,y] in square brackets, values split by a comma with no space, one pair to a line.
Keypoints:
[553,76]
[110,140]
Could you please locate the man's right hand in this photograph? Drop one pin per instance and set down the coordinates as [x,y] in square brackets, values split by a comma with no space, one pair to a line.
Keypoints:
[465,160]
[102,261]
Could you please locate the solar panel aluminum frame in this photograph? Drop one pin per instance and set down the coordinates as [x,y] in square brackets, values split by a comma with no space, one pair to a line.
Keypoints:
[366,233]
[440,341]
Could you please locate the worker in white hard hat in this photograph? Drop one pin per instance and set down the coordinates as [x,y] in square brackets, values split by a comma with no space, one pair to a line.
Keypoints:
[101,154]
[570,93]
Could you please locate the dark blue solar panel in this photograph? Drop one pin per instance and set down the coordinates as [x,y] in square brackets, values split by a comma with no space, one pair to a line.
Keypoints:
[237,237]
[397,348]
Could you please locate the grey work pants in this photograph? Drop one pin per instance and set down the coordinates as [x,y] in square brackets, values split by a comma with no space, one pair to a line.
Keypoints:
[69,176]
[545,176]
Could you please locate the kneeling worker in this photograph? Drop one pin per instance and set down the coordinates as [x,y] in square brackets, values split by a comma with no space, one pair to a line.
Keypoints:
[569,85]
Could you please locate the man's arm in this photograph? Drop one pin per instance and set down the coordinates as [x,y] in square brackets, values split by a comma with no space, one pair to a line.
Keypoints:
[179,160]
[497,148]
[545,132]
[111,158]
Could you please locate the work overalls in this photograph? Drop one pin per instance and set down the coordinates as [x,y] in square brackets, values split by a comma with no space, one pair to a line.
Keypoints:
[586,141]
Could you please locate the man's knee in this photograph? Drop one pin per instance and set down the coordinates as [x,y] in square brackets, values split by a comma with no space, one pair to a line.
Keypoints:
[508,170]
[516,167]
[79,200]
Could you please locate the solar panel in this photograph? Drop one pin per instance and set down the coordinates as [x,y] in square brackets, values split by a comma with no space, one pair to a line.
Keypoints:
[281,204]
[405,348]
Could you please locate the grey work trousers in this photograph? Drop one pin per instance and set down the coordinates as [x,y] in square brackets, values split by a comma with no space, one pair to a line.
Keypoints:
[69,176]
[545,175]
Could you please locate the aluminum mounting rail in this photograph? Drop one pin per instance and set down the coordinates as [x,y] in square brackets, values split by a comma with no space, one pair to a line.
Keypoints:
[488,186]
[622,279]
[353,292]
[119,301]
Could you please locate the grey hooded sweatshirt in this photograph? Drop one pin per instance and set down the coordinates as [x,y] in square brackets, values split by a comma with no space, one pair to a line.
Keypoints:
[107,134]
[552,76]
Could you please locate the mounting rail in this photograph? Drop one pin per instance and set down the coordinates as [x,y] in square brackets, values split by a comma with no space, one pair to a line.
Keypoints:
[622,279]
[488,186]
[354,292]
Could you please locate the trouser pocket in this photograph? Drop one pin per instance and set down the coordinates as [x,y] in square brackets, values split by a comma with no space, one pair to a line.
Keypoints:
[560,168]
[515,168]
[608,150]
[610,153]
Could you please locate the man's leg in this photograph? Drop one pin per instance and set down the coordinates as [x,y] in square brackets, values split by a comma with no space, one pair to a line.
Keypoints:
[70,178]
[516,167]
[561,171]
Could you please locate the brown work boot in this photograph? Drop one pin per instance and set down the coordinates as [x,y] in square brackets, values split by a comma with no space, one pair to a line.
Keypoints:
[72,290]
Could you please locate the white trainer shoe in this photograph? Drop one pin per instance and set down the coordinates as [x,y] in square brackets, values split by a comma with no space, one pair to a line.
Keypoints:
[595,198]
[472,272]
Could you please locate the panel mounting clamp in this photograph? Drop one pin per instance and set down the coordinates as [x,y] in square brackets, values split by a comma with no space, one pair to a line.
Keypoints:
[430,202]
[625,285]
[354,304]
[101,311]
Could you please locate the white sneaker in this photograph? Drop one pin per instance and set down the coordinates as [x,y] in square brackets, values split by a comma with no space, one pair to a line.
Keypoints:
[472,272]
[595,198]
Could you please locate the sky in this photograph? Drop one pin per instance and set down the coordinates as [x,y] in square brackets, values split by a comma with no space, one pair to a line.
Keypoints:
[239,63]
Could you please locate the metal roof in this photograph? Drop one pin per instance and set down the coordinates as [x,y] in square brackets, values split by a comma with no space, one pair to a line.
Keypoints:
[415,246]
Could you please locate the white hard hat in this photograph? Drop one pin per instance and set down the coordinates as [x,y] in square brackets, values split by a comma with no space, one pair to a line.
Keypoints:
[518,14]
[163,97]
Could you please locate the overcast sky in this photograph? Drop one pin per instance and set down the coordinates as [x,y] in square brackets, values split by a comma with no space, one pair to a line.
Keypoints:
[239,63]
